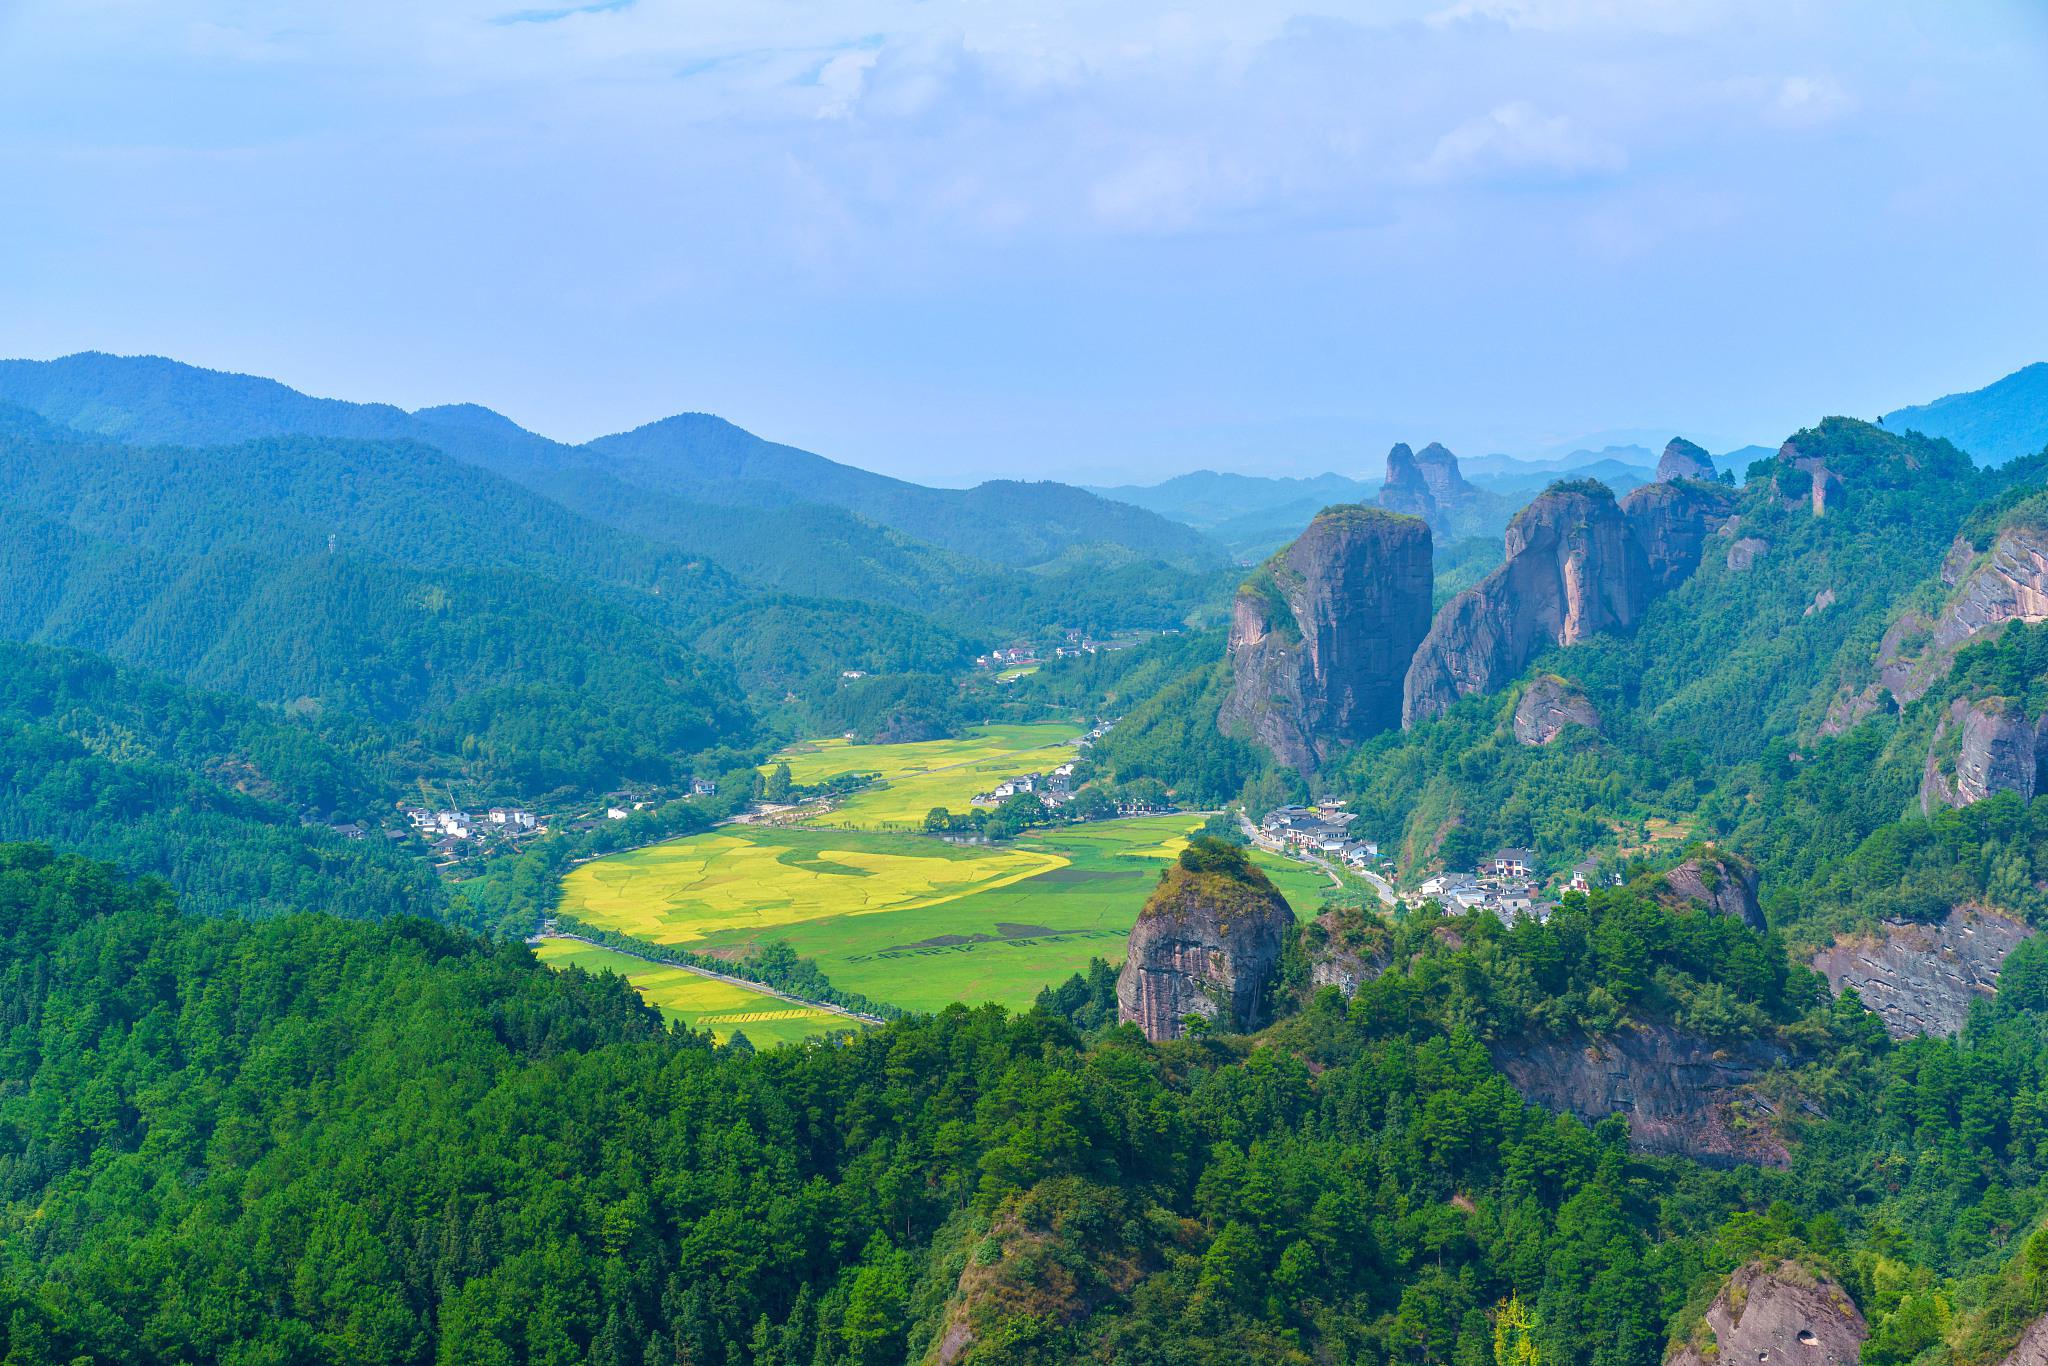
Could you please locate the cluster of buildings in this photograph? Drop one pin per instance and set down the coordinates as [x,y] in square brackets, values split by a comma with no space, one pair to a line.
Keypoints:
[1054,788]
[448,830]
[1321,831]
[1504,884]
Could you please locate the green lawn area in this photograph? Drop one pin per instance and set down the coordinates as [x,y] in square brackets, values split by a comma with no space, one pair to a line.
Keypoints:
[698,1001]
[917,776]
[906,919]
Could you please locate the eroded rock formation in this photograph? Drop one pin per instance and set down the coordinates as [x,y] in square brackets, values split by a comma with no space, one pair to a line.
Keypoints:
[1672,523]
[1720,882]
[1573,568]
[1547,706]
[1346,949]
[1322,634]
[2032,1348]
[1920,978]
[2009,583]
[1207,943]
[1683,1094]
[1744,552]
[1779,1312]
[1980,747]
[1428,484]
[1683,460]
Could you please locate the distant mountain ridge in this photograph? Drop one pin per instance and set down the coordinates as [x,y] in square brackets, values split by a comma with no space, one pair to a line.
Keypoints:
[2005,420]
[695,457]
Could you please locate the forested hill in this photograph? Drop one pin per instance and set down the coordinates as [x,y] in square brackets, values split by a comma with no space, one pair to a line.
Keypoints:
[332,1142]
[694,459]
[375,579]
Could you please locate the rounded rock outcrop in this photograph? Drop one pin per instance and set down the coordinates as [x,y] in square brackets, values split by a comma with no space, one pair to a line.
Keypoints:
[1207,944]
[1547,706]
[1684,460]
[1779,1312]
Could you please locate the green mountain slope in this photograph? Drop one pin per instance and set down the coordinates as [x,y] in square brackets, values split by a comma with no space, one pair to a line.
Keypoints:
[2000,422]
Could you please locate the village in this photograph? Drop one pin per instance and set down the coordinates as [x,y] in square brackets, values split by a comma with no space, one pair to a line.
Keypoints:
[1506,884]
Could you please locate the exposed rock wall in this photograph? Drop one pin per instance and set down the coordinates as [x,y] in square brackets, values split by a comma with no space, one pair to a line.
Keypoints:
[1573,568]
[1980,747]
[1347,949]
[1919,978]
[1720,882]
[1547,706]
[1780,1313]
[1683,1094]
[1205,944]
[1321,636]
[2032,1348]
[1672,523]
[1683,460]
[1428,484]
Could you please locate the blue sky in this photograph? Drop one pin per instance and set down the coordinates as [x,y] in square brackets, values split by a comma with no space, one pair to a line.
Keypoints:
[1079,240]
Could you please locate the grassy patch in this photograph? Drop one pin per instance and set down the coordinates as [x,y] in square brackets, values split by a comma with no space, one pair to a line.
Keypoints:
[700,1002]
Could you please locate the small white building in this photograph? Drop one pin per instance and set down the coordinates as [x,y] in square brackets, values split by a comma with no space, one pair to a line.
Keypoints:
[616,813]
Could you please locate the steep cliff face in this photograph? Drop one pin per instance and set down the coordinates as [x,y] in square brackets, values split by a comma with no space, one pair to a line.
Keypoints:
[1428,484]
[1404,489]
[1683,1094]
[1321,635]
[1573,568]
[1672,523]
[1779,1312]
[1683,460]
[1919,978]
[1720,882]
[1547,706]
[1980,747]
[1208,944]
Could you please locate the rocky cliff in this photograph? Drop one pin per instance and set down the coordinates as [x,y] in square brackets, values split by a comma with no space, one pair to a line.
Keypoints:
[1346,949]
[1981,747]
[1322,634]
[2032,1348]
[1428,484]
[1207,943]
[1683,460]
[1573,568]
[1683,1094]
[1547,706]
[1672,523]
[1720,882]
[1778,1312]
[1920,978]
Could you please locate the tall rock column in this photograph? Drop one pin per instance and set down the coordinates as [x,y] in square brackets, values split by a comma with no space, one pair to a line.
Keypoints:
[1207,943]
[1574,568]
[1322,633]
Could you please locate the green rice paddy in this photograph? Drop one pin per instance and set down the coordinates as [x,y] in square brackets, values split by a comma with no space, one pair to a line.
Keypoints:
[907,919]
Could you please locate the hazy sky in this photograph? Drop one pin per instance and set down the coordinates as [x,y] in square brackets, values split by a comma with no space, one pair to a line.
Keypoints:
[1025,237]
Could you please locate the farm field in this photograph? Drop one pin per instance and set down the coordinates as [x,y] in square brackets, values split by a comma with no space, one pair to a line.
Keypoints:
[919,775]
[698,1001]
[906,919]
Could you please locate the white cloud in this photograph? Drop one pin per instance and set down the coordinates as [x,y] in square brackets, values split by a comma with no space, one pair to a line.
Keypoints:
[1809,100]
[1517,140]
